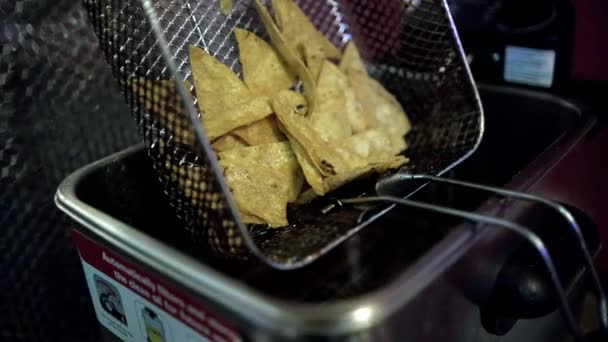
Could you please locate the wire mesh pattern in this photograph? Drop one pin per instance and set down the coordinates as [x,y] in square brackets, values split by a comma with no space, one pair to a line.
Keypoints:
[59,110]
[409,45]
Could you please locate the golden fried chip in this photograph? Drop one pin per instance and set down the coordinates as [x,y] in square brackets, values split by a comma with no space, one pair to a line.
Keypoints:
[263,71]
[352,61]
[313,57]
[375,144]
[289,55]
[390,112]
[381,106]
[329,165]
[321,185]
[259,191]
[328,156]
[226,7]
[225,102]
[217,87]
[298,30]
[371,145]
[344,125]
[228,142]
[237,116]
[398,143]
[322,155]
[263,179]
[386,110]
[330,119]
[248,218]
[312,175]
[334,87]
[358,118]
[264,131]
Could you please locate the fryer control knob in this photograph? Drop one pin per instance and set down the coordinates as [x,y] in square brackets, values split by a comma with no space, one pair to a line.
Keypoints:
[522,289]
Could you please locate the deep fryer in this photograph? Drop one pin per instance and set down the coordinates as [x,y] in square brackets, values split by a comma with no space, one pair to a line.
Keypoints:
[419,59]
[421,276]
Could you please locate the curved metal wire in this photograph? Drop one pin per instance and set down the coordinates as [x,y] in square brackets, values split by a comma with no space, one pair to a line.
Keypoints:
[520,230]
[563,211]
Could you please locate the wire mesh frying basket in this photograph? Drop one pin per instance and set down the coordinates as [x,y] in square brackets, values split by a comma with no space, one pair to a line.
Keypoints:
[410,46]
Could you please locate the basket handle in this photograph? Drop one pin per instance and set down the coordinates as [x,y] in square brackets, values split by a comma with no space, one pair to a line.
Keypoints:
[385,186]
[557,207]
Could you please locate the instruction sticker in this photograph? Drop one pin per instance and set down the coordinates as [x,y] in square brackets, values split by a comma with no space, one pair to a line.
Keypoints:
[533,67]
[138,307]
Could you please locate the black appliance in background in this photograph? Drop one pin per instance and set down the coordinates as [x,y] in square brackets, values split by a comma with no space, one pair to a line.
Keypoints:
[518,42]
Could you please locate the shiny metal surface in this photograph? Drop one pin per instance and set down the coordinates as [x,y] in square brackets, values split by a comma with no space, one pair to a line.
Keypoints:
[443,284]
[387,187]
[410,46]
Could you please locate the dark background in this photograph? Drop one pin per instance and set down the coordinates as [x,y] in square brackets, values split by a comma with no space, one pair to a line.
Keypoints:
[59,110]
[590,48]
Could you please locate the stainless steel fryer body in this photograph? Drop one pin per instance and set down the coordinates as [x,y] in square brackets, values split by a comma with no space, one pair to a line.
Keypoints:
[435,298]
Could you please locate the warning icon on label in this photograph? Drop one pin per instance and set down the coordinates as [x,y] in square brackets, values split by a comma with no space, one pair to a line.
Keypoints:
[154,328]
[110,300]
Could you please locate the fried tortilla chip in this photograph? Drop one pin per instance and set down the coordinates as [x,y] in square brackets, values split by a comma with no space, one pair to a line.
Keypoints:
[328,157]
[237,116]
[263,179]
[311,173]
[322,155]
[260,192]
[398,143]
[289,55]
[351,61]
[217,87]
[344,124]
[226,7]
[264,131]
[248,218]
[371,145]
[313,58]
[329,164]
[263,71]
[389,112]
[298,30]
[321,185]
[330,119]
[224,100]
[375,144]
[228,142]
[334,86]
[358,118]
[384,107]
